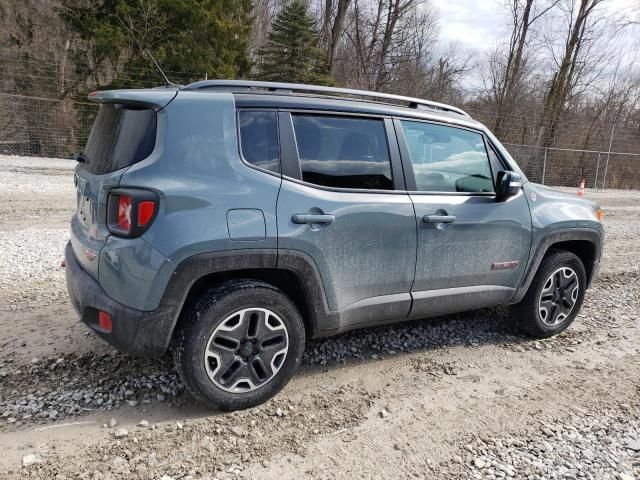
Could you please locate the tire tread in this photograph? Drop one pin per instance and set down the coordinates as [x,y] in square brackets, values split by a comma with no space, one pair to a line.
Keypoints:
[190,325]
[525,312]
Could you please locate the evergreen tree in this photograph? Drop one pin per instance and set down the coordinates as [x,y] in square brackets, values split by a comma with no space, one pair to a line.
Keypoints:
[292,53]
[189,38]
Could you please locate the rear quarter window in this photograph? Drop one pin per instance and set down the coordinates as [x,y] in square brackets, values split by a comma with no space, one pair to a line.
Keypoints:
[121,136]
[259,139]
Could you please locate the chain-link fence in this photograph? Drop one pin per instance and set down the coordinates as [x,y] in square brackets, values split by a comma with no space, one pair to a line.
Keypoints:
[567,166]
[43,111]
[40,117]
[42,127]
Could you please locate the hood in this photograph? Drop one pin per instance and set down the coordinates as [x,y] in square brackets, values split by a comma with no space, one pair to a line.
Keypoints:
[554,193]
[552,208]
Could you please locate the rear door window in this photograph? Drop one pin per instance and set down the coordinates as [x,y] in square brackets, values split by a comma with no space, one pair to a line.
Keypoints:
[121,136]
[447,159]
[259,139]
[343,152]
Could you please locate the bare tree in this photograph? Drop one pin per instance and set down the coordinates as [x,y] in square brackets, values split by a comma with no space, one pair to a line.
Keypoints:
[572,65]
[334,15]
[446,73]
[414,52]
[508,67]
[376,34]
[634,18]
[436,77]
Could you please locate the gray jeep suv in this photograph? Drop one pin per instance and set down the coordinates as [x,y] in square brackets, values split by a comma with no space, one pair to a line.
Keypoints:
[228,221]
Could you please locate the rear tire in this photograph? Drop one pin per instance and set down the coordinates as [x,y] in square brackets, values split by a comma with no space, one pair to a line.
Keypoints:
[239,344]
[554,297]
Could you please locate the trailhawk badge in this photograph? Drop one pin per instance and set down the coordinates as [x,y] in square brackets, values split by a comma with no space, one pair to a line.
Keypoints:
[504,265]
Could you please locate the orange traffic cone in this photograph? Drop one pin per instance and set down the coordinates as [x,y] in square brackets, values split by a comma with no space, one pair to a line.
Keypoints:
[581,188]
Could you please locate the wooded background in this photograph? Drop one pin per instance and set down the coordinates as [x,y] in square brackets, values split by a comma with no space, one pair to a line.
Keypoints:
[561,89]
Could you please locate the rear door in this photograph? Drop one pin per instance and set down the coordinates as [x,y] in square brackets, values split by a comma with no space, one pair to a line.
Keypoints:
[472,249]
[342,204]
[121,136]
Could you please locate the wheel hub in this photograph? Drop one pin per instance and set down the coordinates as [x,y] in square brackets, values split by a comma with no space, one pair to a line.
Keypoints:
[246,350]
[558,296]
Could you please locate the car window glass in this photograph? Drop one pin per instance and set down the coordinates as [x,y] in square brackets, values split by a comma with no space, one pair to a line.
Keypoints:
[496,164]
[259,139]
[121,136]
[343,152]
[447,159]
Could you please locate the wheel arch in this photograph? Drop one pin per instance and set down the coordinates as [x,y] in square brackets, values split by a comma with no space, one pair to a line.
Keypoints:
[284,280]
[585,243]
[292,272]
[585,250]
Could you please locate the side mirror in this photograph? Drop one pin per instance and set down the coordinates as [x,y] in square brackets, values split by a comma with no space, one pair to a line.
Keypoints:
[508,185]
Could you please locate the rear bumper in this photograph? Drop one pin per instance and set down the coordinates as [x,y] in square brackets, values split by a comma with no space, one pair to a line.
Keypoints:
[134,332]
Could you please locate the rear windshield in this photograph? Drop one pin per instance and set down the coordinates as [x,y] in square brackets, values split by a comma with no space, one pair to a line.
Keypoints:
[121,136]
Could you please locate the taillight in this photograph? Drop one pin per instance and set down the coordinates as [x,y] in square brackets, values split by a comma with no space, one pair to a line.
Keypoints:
[104,321]
[124,213]
[130,212]
[146,210]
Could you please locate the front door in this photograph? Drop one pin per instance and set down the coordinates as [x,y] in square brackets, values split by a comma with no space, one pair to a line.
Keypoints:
[472,249]
[340,206]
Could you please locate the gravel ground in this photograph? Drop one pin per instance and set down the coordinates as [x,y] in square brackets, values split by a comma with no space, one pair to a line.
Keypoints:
[22,272]
[462,396]
[603,445]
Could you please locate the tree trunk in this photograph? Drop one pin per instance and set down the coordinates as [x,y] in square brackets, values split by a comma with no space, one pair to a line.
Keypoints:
[514,63]
[337,29]
[562,82]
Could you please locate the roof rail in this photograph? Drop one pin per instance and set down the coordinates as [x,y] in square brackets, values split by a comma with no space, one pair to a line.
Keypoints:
[277,87]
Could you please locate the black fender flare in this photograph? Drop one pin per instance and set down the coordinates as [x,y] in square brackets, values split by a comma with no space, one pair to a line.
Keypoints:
[591,235]
[194,268]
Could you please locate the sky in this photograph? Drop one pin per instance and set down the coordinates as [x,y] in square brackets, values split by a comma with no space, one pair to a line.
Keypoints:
[480,24]
[470,23]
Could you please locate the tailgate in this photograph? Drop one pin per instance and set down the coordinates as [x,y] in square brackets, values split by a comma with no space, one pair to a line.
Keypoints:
[88,232]
[124,133]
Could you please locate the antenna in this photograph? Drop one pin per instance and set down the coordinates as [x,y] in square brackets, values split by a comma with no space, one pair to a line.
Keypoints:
[168,82]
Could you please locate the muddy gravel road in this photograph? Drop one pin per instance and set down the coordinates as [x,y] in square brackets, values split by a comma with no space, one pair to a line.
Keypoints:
[462,396]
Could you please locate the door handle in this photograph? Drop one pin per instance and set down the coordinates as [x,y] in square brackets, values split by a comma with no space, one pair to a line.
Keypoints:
[301,218]
[439,218]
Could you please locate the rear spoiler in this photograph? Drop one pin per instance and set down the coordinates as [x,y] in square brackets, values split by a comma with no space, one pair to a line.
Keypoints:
[150,98]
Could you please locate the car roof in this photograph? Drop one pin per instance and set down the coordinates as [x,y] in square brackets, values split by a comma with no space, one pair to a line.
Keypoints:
[345,105]
[277,97]
[316,97]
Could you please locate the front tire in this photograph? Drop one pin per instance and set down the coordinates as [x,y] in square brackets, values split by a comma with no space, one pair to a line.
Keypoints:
[554,297]
[239,344]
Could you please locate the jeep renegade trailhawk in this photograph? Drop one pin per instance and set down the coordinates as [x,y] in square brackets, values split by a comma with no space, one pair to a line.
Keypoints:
[229,221]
